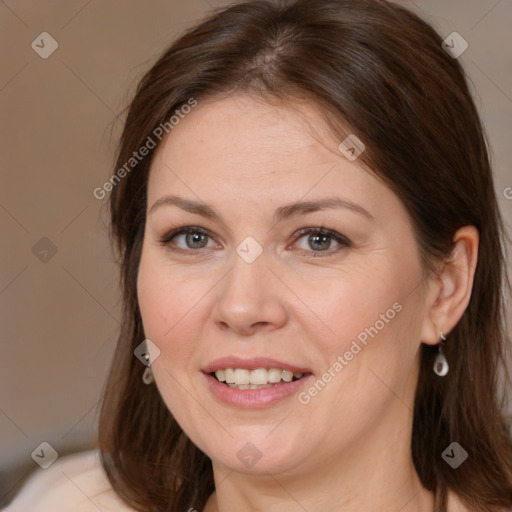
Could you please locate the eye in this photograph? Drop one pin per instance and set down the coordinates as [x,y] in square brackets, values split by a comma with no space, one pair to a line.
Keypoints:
[192,238]
[321,240]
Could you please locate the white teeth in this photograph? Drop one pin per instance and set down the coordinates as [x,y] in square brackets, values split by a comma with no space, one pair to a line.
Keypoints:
[287,375]
[274,375]
[251,386]
[242,378]
[229,375]
[259,376]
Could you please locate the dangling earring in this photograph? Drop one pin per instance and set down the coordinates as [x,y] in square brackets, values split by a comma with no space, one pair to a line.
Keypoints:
[441,366]
[147,376]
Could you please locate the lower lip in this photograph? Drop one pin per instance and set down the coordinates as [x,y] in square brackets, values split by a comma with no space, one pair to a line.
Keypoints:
[254,398]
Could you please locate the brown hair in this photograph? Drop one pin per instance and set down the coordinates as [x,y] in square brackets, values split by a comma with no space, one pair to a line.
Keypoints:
[380,70]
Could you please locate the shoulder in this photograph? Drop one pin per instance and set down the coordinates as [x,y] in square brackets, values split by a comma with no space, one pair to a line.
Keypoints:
[73,483]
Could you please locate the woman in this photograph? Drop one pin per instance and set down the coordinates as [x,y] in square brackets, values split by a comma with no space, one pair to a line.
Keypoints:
[313,271]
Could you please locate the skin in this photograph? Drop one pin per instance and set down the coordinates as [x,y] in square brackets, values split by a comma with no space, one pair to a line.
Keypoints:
[349,447]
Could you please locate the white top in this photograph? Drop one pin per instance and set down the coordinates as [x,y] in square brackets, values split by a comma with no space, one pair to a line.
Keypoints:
[73,483]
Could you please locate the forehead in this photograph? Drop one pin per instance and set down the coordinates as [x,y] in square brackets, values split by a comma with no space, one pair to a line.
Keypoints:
[242,150]
[243,129]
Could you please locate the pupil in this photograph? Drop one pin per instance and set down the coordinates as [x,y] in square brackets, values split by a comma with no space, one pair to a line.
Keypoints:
[323,240]
[195,238]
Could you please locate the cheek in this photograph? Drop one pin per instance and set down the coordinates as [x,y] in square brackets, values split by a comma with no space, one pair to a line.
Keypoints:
[353,304]
[169,318]
[374,318]
[166,298]
[370,361]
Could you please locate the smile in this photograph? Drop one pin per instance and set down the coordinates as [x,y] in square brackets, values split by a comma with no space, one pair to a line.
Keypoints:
[260,378]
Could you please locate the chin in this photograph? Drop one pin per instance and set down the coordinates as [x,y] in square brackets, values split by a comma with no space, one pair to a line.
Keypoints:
[255,452]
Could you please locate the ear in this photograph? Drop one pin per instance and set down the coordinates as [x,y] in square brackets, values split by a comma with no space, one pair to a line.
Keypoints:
[450,292]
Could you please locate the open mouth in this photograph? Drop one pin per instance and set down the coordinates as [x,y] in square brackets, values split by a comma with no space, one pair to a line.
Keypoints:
[260,378]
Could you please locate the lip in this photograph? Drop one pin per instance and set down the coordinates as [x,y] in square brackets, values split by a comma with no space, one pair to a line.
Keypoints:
[254,398]
[251,364]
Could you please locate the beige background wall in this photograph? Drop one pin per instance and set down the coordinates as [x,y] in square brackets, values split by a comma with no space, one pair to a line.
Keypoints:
[59,312]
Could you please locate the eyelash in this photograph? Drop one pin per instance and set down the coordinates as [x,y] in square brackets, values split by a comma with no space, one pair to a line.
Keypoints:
[342,240]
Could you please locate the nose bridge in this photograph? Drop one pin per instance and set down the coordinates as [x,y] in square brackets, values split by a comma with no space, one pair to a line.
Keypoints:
[247,281]
[247,296]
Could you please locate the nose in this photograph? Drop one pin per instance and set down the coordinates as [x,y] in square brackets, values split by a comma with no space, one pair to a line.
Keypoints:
[250,298]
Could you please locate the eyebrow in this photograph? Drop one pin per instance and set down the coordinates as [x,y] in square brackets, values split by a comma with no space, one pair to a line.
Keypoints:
[282,213]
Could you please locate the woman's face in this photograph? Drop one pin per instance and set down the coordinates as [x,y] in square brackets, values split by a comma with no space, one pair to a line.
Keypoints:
[255,291]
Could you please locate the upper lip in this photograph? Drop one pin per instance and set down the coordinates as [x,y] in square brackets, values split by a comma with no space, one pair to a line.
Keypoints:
[251,364]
